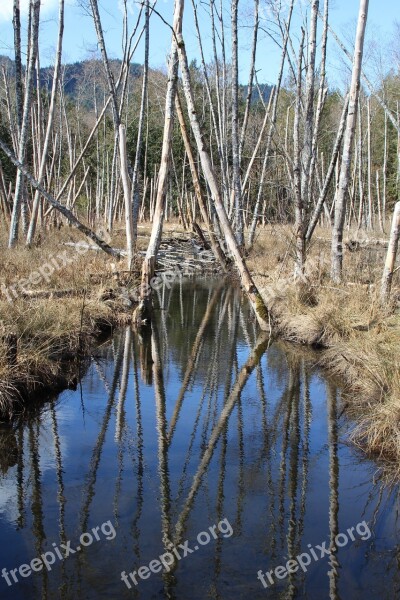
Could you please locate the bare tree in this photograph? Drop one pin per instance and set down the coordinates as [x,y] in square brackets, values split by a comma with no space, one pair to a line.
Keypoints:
[391,256]
[50,120]
[342,191]
[249,286]
[149,263]
[24,133]
[235,127]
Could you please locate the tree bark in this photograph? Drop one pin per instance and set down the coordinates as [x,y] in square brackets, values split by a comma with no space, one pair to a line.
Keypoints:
[249,286]
[391,256]
[341,194]
[237,188]
[135,175]
[149,263]
[42,168]
[126,186]
[24,133]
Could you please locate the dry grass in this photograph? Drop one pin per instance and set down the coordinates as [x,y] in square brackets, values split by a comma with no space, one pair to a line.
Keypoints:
[52,332]
[53,329]
[361,341]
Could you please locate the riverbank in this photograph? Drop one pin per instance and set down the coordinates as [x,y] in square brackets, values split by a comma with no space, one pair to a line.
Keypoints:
[56,300]
[56,320]
[360,340]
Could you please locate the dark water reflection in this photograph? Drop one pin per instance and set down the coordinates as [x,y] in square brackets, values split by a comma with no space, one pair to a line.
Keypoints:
[200,422]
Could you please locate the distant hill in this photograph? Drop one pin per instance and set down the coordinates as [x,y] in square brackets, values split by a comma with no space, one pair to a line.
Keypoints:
[265,89]
[78,77]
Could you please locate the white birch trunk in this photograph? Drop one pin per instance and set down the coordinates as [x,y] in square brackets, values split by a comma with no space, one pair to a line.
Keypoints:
[341,195]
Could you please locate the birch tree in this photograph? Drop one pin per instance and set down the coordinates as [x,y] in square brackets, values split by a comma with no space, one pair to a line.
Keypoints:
[248,284]
[50,120]
[33,35]
[342,191]
[149,263]
[391,256]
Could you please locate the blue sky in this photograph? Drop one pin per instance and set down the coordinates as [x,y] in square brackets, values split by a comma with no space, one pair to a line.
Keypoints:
[80,39]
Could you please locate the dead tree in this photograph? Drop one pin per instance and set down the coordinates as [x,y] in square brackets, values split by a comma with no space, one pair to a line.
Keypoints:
[391,256]
[236,184]
[135,174]
[248,284]
[24,133]
[342,191]
[149,263]
[49,129]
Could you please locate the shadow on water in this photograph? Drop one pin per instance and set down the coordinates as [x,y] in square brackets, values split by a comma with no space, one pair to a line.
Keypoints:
[202,442]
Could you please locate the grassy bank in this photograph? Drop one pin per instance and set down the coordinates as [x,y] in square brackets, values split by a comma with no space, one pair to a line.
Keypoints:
[360,340]
[52,333]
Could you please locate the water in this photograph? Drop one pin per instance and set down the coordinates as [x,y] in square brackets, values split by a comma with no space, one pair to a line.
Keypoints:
[202,424]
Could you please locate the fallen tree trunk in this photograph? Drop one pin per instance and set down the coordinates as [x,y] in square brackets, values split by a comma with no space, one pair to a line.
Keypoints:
[62,209]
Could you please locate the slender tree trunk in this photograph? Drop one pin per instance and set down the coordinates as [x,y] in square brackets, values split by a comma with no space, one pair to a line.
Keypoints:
[249,286]
[341,195]
[307,149]
[135,175]
[391,256]
[18,65]
[237,188]
[23,138]
[251,79]
[149,263]
[297,175]
[126,185]
[42,168]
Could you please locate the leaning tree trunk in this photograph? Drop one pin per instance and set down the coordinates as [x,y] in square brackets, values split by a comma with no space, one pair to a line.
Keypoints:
[391,256]
[216,248]
[57,205]
[341,194]
[149,263]
[24,133]
[249,286]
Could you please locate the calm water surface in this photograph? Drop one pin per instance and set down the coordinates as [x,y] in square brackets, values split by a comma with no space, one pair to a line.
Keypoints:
[201,423]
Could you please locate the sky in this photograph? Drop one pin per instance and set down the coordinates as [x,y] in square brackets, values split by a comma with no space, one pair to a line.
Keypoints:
[80,38]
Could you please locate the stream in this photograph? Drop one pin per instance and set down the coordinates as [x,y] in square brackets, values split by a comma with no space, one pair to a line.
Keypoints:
[203,443]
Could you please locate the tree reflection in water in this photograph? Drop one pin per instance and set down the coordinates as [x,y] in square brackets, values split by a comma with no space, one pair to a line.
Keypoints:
[197,419]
